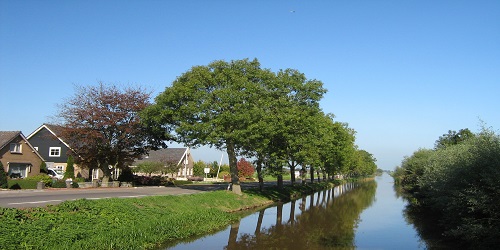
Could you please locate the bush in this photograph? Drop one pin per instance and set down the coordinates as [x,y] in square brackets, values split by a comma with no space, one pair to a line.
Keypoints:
[180,183]
[224,173]
[150,180]
[126,175]
[195,178]
[79,179]
[59,184]
[22,184]
[40,177]
[70,169]
[459,184]
[3,177]
[43,168]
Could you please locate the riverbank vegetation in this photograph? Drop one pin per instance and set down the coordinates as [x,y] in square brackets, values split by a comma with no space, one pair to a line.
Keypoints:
[133,223]
[458,182]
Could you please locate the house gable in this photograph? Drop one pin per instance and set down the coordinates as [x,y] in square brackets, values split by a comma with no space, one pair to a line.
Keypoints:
[49,145]
[17,155]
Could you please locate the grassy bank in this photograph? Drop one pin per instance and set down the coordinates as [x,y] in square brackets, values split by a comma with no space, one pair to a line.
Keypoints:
[134,223]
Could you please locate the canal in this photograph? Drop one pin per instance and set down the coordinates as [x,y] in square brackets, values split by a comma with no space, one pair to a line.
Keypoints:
[365,215]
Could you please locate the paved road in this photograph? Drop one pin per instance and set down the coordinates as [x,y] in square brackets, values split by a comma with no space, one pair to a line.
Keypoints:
[39,198]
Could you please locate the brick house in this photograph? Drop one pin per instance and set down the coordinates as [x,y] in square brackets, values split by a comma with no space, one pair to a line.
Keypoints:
[19,158]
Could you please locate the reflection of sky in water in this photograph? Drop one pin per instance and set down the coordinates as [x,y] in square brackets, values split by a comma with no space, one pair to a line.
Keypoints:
[382,226]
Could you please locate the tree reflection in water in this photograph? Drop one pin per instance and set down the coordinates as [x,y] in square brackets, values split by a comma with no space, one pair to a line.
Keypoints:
[324,220]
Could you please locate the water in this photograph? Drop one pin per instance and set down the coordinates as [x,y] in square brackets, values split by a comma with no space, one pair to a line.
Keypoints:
[383,225]
[364,215]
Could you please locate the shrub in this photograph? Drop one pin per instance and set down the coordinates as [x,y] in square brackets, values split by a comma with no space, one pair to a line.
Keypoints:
[224,173]
[79,179]
[180,183]
[43,167]
[195,178]
[22,184]
[126,175]
[147,180]
[3,177]
[59,184]
[40,177]
[70,169]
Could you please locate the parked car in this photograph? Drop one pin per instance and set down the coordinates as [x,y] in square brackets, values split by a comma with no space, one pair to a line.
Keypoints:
[55,173]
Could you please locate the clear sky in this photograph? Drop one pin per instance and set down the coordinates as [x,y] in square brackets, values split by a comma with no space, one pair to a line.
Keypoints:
[401,73]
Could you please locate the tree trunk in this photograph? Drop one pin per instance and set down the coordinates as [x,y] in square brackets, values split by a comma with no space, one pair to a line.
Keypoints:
[106,173]
[280,181]
[312,174]
[235,180]
[259,175]
[292,172]
[303,175]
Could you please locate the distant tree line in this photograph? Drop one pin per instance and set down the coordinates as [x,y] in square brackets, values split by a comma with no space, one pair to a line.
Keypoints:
[458,182]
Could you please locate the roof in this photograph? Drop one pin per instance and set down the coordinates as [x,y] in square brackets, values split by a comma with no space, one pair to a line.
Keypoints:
[53,129]
[174,155]
[7,136]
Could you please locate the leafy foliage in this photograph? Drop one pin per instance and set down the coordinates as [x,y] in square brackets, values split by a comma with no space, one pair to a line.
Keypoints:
[453,138]
[102,125]
[70,168]
[41,177]
[245,168]
[43,167]
[3,177]
[459,183]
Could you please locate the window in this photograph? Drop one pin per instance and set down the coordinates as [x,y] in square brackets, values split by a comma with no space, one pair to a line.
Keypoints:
[36,148]
[55,151]
[18,170]
[15,148]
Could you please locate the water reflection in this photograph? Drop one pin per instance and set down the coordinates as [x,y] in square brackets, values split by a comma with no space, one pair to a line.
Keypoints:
[324,220]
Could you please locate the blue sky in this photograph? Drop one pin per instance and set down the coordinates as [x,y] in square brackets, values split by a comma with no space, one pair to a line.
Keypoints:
[401,73]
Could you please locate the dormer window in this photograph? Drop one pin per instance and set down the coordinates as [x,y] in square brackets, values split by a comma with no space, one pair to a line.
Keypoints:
[16,148]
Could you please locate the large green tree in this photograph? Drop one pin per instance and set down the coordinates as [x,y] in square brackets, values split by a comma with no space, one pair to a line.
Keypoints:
[234,105]
[282,135]
[212,105]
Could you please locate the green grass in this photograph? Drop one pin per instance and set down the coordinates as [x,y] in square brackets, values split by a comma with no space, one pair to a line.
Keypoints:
[134,223]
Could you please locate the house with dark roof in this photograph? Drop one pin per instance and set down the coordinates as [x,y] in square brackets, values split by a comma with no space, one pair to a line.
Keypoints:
[180,156]
[19,158]
[50,146]
[47,140]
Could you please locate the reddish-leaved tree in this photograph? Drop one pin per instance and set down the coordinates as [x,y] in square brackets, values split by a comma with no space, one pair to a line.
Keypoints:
[245,168]
[103,127]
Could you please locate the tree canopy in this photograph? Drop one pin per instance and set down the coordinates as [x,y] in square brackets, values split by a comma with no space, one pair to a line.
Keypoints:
[244,109]
[103,127]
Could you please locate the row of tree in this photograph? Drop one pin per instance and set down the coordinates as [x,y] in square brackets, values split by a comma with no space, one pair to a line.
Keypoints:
[458,182]
[272,118]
